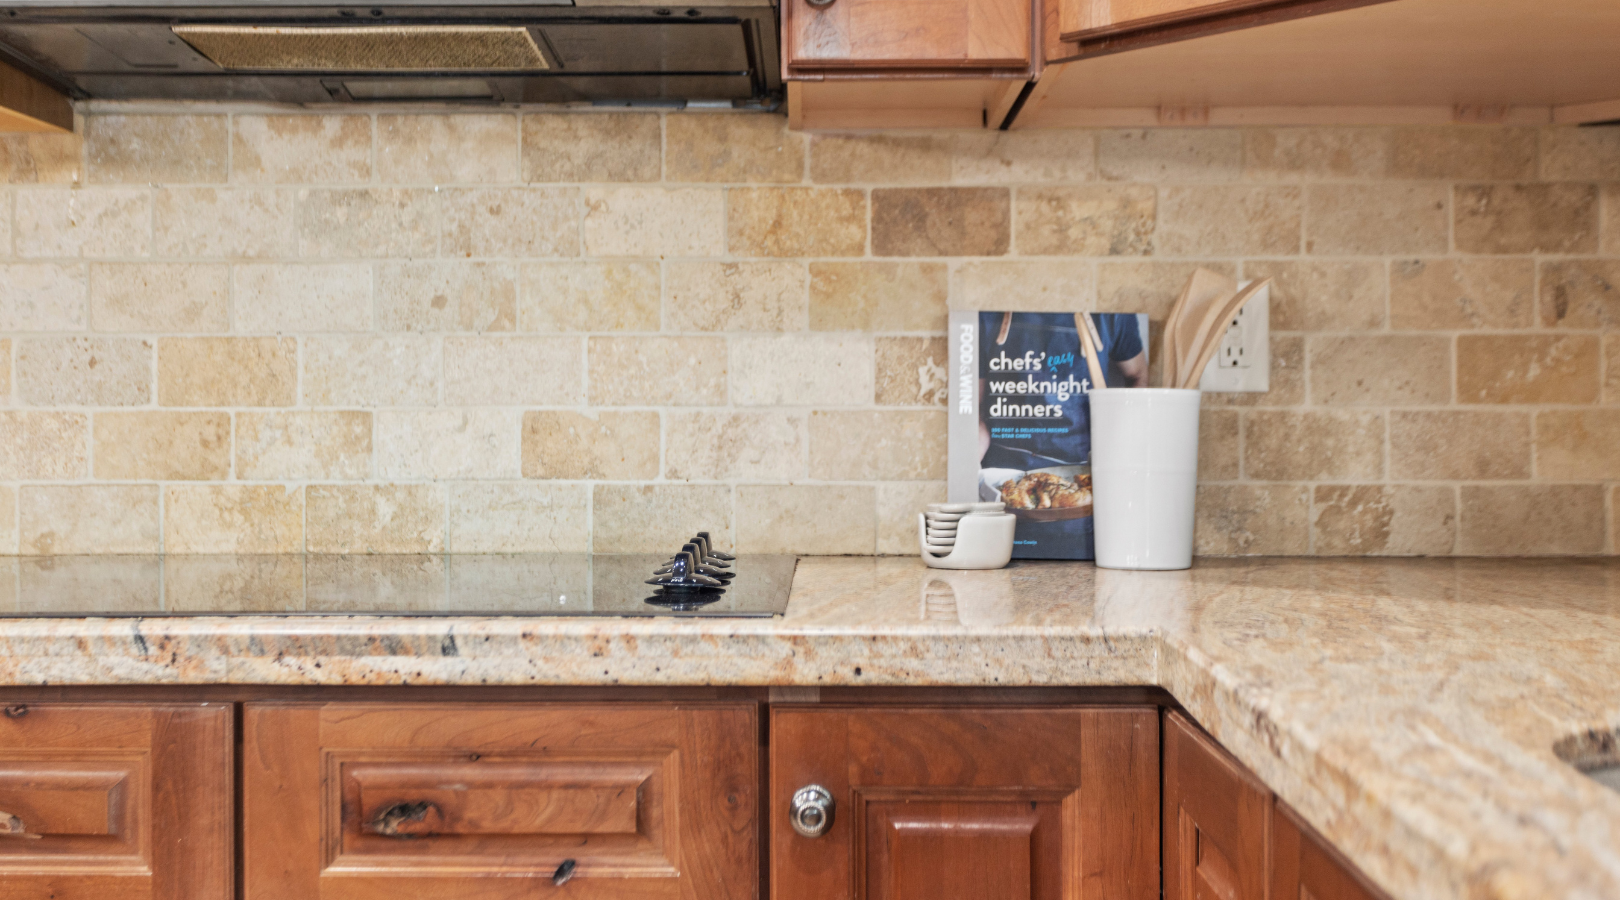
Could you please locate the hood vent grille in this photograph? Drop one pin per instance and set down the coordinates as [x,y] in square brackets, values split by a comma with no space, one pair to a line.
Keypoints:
[383,48]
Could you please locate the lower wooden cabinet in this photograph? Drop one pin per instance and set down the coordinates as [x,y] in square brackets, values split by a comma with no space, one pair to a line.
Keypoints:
[965,803]
[112,800]
[361,801]
[1303,866]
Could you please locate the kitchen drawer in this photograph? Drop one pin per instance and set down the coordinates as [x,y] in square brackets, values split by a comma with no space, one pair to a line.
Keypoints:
[355,801]
[1039,803]
[906,34]
[123,801]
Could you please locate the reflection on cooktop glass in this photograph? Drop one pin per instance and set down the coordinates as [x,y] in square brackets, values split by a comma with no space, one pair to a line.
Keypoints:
[696,580]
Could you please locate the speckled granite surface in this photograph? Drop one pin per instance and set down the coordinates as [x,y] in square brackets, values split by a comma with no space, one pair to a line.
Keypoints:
[1407,708]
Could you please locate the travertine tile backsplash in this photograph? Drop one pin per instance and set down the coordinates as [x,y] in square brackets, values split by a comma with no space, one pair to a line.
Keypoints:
[491,332]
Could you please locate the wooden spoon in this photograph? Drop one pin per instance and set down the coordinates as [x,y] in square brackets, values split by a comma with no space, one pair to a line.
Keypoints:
[1180,330]
[1212,341]
[1093,364]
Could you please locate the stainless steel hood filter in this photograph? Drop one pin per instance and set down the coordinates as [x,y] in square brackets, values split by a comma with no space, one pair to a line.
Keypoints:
[381,48]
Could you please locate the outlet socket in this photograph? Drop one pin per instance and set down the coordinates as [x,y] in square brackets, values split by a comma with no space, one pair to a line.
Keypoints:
[1243,363]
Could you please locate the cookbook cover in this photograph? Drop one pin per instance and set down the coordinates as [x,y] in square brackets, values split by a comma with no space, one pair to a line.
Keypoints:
[1020,418]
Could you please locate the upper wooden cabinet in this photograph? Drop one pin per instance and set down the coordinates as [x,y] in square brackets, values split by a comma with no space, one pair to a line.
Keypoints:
[825,37]
[116,800]
[1216,817]
[357,801]
[966,803]
[1078,19]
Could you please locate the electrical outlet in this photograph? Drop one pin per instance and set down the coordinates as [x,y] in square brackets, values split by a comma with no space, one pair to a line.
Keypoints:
[1243,363]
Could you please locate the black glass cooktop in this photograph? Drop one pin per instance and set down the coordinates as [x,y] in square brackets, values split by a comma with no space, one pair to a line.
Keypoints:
[538,584]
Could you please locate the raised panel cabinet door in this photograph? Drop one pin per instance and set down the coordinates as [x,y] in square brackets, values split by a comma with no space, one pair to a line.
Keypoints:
[1305,867]
[116,800]
[967,803]
[1216,819]
[427,801]
[971,34]
[1080,19]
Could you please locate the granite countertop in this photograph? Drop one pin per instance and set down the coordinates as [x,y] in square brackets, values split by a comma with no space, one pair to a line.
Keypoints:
[1407,708]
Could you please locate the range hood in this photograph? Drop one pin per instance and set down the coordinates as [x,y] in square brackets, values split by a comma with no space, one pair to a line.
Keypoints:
[608,52]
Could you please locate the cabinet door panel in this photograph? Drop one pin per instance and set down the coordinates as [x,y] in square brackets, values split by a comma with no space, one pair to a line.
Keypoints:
[969,34]
[350,801]
[1079,19]
[1304,867]
[968,803]
[111,799]
[1215,820]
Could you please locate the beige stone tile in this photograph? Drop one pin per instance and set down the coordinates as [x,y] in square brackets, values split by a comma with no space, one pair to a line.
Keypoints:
[1036,285]
[1170,154]
[1318,445]
[42,297]
[1580,293]
[375,518]
[891,445]
[518,517]
[258,223]
[159,445]
[368,221]
[723,445]
[1252,520]
[1379,370]
[572,146]
[41,158]
[1458,294]
[61,519]
[1611,219]
[1089,220]
[1151,286]
[1023,157]
[1611,368]
[652,518]
[796,221]
[399,370]
[1229,220]
[360,583]
[41,446]
[188,149]
[8,525]
[955,221]
[83,371]
[1580,154]
[160,297]
[1530,520]
[1311,153]
[1527,218]
[1384,520]
[589,296]
[514,371]
[5,371]
[281,299]
[1376,218]
[1527,368]
[460,148]
[801,370]
[878,296]
[1323,295]
[1578,445]
[233,518]
[1287,377]
[1447,151]
[563,444]
[910,371]
[301,445]
[898,504]
[737,147]
[452,295]
[235,371]
[112,584]
[88,222]
[880,158]
[249,583]
[1459,445]
[657,371]
[300,149]
[654,221]
[807,519]
[448,443]
[1219,457]
[510,222]
[768,295]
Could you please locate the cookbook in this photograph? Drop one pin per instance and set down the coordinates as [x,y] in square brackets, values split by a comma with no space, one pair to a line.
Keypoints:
[1020,418]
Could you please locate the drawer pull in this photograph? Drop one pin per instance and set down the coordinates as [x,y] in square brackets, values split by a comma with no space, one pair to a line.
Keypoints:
[406,820]
[564,872]
[11,826]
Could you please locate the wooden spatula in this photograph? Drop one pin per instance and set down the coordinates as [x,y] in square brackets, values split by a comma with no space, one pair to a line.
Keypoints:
[1212,340]
[1202,289]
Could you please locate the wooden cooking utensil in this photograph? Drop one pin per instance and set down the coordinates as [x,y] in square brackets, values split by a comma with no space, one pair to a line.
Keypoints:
[1180,330]
[1091,351]
[1212,340]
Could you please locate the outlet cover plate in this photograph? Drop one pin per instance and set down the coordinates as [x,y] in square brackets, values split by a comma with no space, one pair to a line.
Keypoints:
[1243,363]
